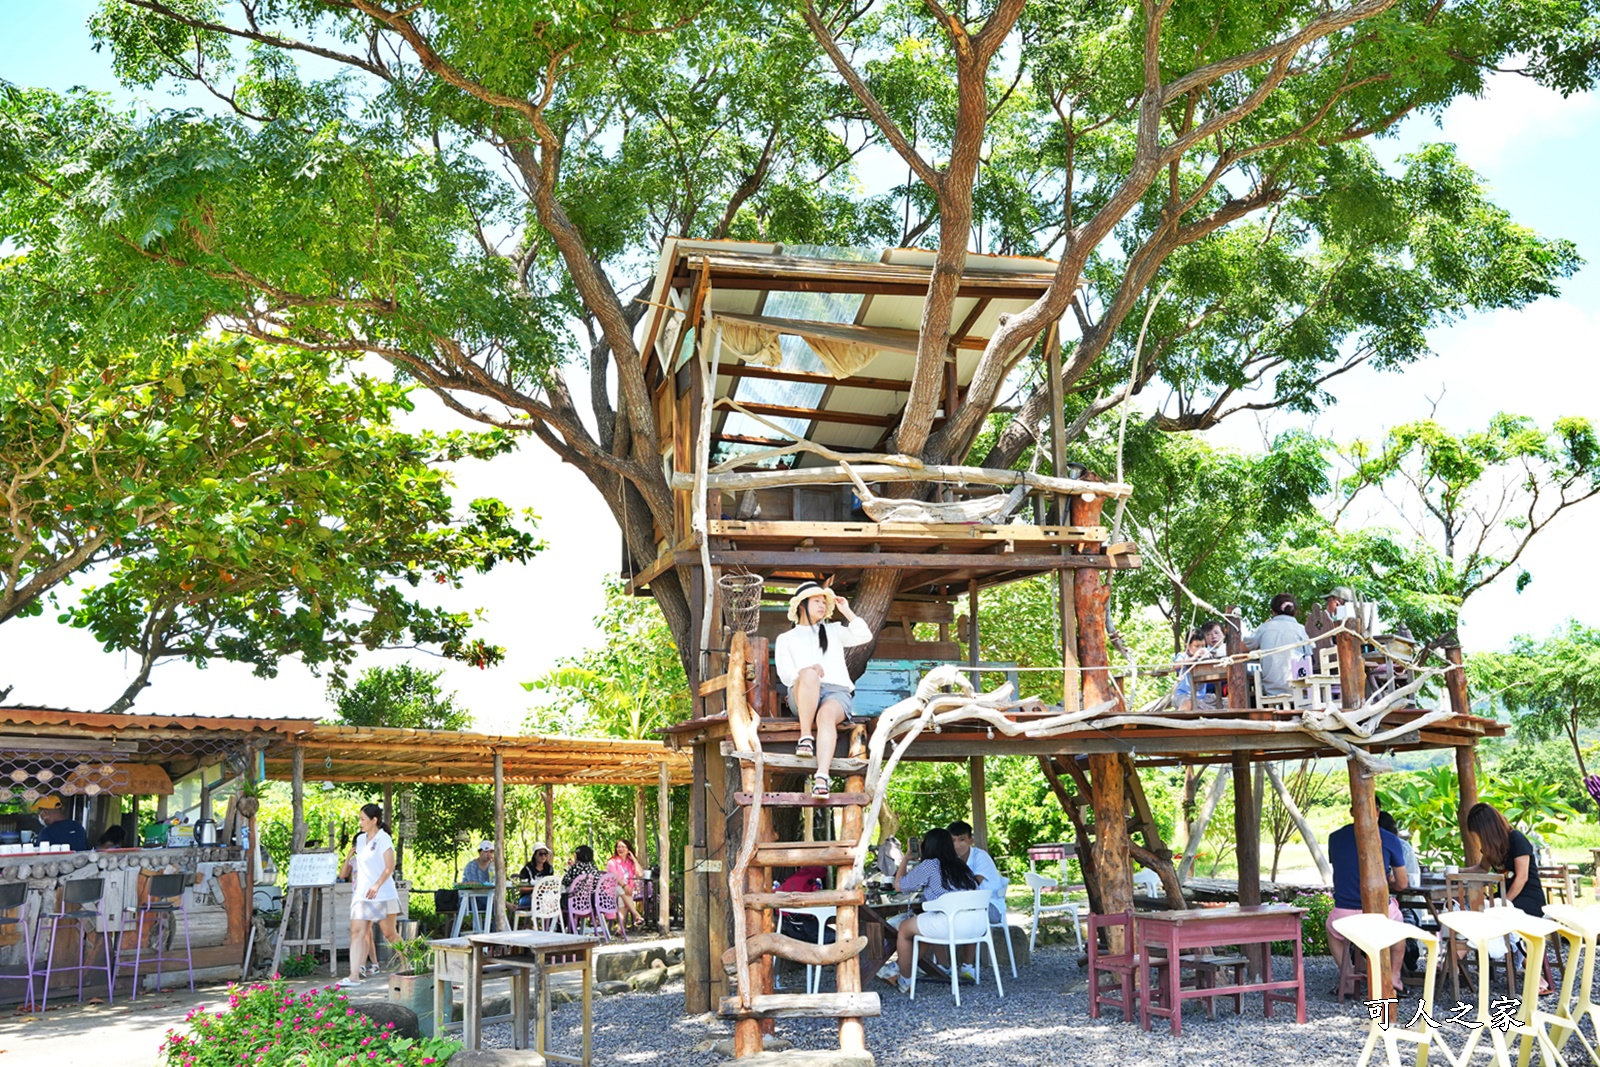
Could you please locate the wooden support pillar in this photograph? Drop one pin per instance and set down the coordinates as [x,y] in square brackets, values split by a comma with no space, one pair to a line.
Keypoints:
[1466,767]
[1238,672]
[550,820]
[1247,839]
[696,937]
[663,848]
[1113,862]
[388,803]
[980,805]
[501,920]
[972,633]
[1071,682]
[748,1032]
[722,785]
[297,800]
[1369,859]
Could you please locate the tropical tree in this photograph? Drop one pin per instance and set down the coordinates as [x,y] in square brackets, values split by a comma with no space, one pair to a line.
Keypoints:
[346,201]
[237,501]
[1551,687]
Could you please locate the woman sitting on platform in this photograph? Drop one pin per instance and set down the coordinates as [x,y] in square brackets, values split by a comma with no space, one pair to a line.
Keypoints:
[810,662]
[941,871]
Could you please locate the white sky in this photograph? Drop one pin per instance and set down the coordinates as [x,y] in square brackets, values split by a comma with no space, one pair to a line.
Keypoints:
[1535,149]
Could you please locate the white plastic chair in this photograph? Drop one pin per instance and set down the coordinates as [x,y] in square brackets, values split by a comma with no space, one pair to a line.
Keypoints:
[999,903]
[956,919]
[544,906]
[1039,884]
[1147,883]
[822,915]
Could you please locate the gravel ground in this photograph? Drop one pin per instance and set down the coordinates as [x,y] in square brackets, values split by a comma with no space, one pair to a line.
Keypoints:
[1034,1022]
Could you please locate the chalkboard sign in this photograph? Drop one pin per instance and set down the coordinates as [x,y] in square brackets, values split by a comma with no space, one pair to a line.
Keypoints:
[313,868]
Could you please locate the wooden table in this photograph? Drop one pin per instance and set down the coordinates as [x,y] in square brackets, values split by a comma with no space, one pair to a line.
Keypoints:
[1178,931]
[881,935]
[527,955]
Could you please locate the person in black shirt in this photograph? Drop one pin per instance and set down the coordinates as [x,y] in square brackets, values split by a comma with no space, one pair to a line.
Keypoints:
[537,867]
[1508,851]
[58,829]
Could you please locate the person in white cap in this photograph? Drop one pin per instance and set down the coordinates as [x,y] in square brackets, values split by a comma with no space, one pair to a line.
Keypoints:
[810,661]
[481,870]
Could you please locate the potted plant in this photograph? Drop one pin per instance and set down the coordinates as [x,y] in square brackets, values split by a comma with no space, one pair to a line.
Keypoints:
[412,985]
[249,798]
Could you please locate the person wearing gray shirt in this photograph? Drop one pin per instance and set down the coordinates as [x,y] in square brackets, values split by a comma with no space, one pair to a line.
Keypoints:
[1283,636]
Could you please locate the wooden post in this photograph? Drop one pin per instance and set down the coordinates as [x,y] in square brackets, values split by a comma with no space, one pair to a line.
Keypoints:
[721,785]
[388,803]
[1113,861]
[550,820]
[972,632]
[1066,607]
[1238,672]
[1466,768]
[696,938]
[1369,857]
[641,843]
[663,847]
[297,800]
[980,805]
[852,1034]
[501,920]
[1247,842]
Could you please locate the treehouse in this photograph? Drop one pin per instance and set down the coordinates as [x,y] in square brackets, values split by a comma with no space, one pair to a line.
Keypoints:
[780,376]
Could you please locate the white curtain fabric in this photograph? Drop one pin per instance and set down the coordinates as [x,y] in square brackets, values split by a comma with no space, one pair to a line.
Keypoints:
[842,358]
[753,344]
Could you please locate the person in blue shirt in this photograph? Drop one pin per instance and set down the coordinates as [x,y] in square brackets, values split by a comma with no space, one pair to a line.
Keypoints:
[57,828]
[1347,888]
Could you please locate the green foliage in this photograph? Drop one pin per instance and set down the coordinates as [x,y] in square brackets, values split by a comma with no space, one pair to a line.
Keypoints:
[269,1025]
[299,966]
[1531,806]
[1426,803]
[402,696]
[251,503]
[1547,761]
[1551,687]
[1313,925]
[418,954]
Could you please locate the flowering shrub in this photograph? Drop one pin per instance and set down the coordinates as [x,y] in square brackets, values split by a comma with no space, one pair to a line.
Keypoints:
[268,1025]
[299,966]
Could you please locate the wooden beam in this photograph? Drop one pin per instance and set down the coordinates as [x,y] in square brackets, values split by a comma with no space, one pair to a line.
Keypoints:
[889,472]
[945,562]
[774,374]
[659,566]
[785,411]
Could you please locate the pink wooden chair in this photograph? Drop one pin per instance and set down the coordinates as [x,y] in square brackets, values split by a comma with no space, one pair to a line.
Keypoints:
[580,903]
[607,906]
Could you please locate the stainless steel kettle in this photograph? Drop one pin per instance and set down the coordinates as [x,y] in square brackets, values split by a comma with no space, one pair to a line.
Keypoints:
[205,832]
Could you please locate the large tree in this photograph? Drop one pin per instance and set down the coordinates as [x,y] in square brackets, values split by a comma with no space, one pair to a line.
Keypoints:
[347,202]
[236,500]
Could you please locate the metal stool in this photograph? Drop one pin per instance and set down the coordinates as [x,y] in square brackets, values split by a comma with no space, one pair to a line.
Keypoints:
[14,899]
[165,889]
[80,903]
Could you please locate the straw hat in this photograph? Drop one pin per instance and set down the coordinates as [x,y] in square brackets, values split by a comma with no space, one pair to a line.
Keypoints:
[806,591]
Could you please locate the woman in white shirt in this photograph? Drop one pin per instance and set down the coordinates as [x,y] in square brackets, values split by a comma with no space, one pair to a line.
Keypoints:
[370,866]
[810,662]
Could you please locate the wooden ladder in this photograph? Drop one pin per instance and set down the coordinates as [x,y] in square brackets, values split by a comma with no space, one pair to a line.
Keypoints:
[755,905]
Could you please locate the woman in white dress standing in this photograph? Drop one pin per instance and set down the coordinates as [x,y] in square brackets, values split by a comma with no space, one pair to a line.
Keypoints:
[371,869]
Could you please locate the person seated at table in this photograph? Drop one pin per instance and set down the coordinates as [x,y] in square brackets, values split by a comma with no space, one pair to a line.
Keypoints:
[1507,851]
[804,927]
[1282,637]
[1208,695]
[1413,878]
[481,870]
[983,867]
[1343,857]
[941,871]
[538,866]
[623,864]
[1183,688]
[114,837]
[1323,620]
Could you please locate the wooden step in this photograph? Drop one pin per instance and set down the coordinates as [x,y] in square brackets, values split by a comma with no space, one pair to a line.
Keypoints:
[806,800]
[786,761]
[803,854]
[804,1006]
[822,898]
[789,948]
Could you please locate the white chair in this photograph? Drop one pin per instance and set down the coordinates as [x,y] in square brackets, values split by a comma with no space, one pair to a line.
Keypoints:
[956,919]
[544,907]
[1282,701]
[1039,884]
[1147,883]
[823,915]
[999,902]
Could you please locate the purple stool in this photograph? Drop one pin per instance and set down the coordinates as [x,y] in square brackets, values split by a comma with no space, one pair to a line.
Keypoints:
[80,903]
[14,900]
[164,902]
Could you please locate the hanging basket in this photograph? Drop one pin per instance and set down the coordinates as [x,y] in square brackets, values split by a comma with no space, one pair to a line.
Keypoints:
[741,602]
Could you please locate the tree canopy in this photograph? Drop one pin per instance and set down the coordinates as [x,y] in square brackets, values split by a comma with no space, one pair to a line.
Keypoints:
[451,185]
[240,500]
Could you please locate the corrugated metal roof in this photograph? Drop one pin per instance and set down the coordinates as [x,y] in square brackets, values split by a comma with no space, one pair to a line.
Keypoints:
[99,720]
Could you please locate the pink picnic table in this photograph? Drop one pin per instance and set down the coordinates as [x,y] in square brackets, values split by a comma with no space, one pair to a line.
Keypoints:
[1202,928]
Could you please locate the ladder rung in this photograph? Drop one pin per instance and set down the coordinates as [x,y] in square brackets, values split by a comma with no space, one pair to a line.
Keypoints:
[786,761]
[807,800]
[805,1006]
[804,854]
[822,898]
